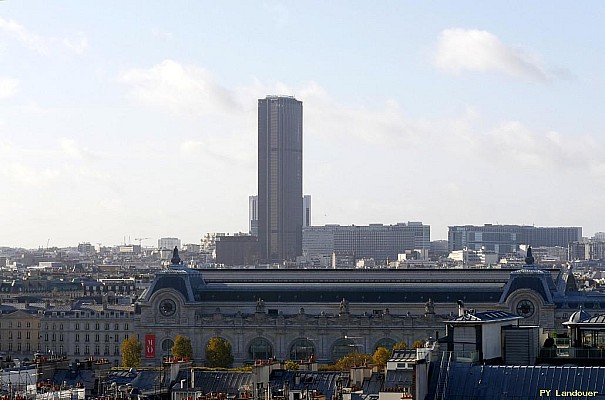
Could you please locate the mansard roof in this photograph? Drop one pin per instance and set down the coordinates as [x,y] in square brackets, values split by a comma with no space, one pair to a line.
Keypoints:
[530,277]
[361,285]
[188,282]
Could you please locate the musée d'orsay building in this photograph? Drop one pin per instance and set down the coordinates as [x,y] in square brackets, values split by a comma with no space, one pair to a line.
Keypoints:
[293,314]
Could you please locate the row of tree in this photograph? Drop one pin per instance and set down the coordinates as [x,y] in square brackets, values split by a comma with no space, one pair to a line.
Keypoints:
[219,354]
[218,351]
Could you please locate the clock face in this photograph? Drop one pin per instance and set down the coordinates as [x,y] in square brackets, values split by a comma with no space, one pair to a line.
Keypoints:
[525,308]
[167,307]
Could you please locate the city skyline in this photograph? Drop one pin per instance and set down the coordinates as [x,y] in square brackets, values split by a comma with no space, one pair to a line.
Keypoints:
[138,120]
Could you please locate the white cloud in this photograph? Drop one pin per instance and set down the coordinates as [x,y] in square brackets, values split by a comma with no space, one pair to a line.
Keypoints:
[476,50]
[384,124]
[43,167]
[77,44]
[30,40]
[8,87]
[71,148]
[190,89]
[513,143]
[40,44]
[181,89]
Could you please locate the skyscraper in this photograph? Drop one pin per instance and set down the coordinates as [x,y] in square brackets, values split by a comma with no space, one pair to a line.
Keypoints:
[253,215]
[306,210]
[280,206]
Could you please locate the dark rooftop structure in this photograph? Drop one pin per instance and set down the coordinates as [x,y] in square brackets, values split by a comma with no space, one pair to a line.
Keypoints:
[487,382]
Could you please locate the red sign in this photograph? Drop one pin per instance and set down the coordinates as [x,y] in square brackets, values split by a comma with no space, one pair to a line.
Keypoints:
[149,346]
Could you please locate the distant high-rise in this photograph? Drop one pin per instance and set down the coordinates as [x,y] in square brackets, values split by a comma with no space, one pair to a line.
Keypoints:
[253,215]
[377,241]
[280,209]
[505,239]
[169,243]
[306,211]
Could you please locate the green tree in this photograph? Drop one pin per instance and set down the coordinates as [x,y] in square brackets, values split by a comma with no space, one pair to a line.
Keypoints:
[182,347]
[131,352]
[354,359]
[218,353]
[400,345]
[381,356]
[292,365]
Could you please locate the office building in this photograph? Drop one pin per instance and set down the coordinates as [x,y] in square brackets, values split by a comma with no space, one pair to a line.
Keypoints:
[237,250]
[280,208]
[506,239]
[169,243]
[377,241]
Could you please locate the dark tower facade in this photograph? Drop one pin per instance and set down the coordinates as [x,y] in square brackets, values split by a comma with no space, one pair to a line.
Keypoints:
[280,178]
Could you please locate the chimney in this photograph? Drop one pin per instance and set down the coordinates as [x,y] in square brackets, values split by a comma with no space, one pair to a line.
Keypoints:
[461,309]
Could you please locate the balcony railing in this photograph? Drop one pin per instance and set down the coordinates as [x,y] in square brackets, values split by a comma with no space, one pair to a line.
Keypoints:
[572,352]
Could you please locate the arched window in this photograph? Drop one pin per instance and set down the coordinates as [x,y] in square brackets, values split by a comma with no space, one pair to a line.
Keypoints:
[342,347]
[260,349]
[167,345]
[385,342]
[301,350]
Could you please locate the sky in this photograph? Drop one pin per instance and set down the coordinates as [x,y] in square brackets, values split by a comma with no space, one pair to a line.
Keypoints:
[128,120]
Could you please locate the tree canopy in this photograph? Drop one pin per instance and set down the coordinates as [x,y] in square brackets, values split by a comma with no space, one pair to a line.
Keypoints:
[400,345]
[354,359]
[131,352]
[218,353]
[292,365]
[381,356]
[182,347]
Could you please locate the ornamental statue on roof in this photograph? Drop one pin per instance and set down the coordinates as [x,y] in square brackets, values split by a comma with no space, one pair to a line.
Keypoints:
[429,307]
[175,260]
[529,259]
[260,305]
[343,308]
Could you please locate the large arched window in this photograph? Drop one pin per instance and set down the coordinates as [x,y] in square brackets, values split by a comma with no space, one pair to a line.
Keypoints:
[385,342]
[342,347]
[260,349]
[301,350]
[167,346]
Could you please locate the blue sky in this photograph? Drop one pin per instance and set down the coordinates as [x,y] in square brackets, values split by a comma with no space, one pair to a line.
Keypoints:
[138,119]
